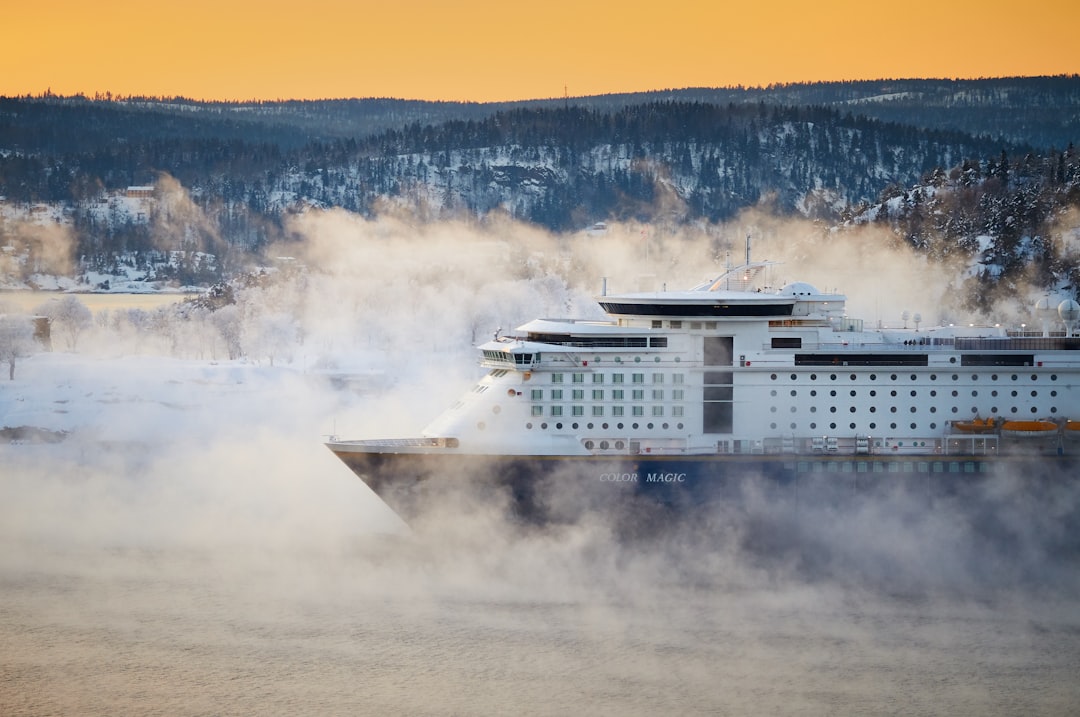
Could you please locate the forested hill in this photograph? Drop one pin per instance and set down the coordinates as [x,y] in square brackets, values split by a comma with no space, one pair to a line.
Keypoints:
[821,151]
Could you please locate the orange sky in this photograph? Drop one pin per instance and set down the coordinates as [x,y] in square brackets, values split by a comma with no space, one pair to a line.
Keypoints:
[486,50]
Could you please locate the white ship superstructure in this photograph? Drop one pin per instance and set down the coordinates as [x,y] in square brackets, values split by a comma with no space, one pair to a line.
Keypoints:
[736,369]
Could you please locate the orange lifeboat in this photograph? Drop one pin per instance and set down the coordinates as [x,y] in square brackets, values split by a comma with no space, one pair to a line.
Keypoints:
[975,425]
[1072,430]
[1028,429]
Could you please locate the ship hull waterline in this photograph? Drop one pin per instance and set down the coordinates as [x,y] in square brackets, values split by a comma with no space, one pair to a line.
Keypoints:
[545,489]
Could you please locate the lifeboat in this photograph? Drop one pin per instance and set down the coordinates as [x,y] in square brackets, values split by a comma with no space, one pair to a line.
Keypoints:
[1072,430]
[1028,429]
[976,425]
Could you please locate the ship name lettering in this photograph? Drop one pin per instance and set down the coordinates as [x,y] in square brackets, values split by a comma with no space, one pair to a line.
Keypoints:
[619,477]
[665,478]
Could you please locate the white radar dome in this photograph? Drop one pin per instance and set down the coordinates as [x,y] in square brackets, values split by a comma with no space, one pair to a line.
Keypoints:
[1069,310]
[799,288]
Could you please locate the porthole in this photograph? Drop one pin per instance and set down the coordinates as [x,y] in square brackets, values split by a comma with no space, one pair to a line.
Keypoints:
[634,426]
[772,409]
[665,426]
[933,393]
[794,392]
[619,426]
[933,377]
[955,394]
[993,377]
[852,377]
[574,426]
[813,377]
[892,393]
[1014,394]
[832,426]
[1034,394]
[852,409]
[914,377]
[873,377]
[813,392]
[994,409]
[933,409]
[1053,409]
[793,426]
[604,445]
[873,409]
[794,377]
[955,377]
[913,426]
[1034,377]
[873,393]
[813,409]
[994,394]
[1013,409]
[604,426]
[813,426]
[892,409]
[589,445]
[1034,410]
[772,393]
[1053,377]
[619,445]
[589,426]
[952,359]
[543,425]
[558,426]
[794,409]
[892,426]
[975,410]
[873,426]
[955,409]
[1014,377]
[773,377]
[852,426]
[772,425]
[913,409]
[656,359]
[914,393]
[974,377]
[832,409]
[1053,393]
[974,394]
[481,425]
[933,426]
[832,393]
[853,393]
[679,426]
[528,425]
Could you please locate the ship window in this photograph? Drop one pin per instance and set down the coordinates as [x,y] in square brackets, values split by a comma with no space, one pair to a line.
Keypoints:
[578,377]
[637,411]
[638,394]
[657,324]
[556,410]
[537,394]
[638,378]
[598,394]
[658,410]
[786,342]
[616,378]
[538,410]
[556,394]
[658,342]
[658,394]
[598,378]
[598,410]
[658,378]
[677,411]
[675,324]
[617,394]
[556,378]
[676,378]
[617,411]
[577,410]
[577,394]
[677,394]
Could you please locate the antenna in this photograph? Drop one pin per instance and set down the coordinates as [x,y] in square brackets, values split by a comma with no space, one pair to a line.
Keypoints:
[748,248]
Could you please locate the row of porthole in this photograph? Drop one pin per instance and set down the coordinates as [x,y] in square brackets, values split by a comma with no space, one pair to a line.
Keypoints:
[605,445]
[872,426]
[604,426]
[915,377]
[872,393]
[913,409]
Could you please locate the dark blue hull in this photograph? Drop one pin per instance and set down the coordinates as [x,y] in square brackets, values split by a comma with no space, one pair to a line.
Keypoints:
[560,489]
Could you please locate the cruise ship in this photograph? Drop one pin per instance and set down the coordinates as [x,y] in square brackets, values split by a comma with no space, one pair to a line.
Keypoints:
[684,397]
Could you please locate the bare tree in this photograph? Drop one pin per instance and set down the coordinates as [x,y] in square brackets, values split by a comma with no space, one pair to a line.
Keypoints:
[70,316]
[16,340]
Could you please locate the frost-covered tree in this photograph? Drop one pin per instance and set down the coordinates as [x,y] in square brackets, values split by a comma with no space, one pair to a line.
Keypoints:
[16,340]
[229,322]
[69,316]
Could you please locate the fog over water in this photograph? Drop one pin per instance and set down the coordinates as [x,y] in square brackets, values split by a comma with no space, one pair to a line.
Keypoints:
[192,548]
